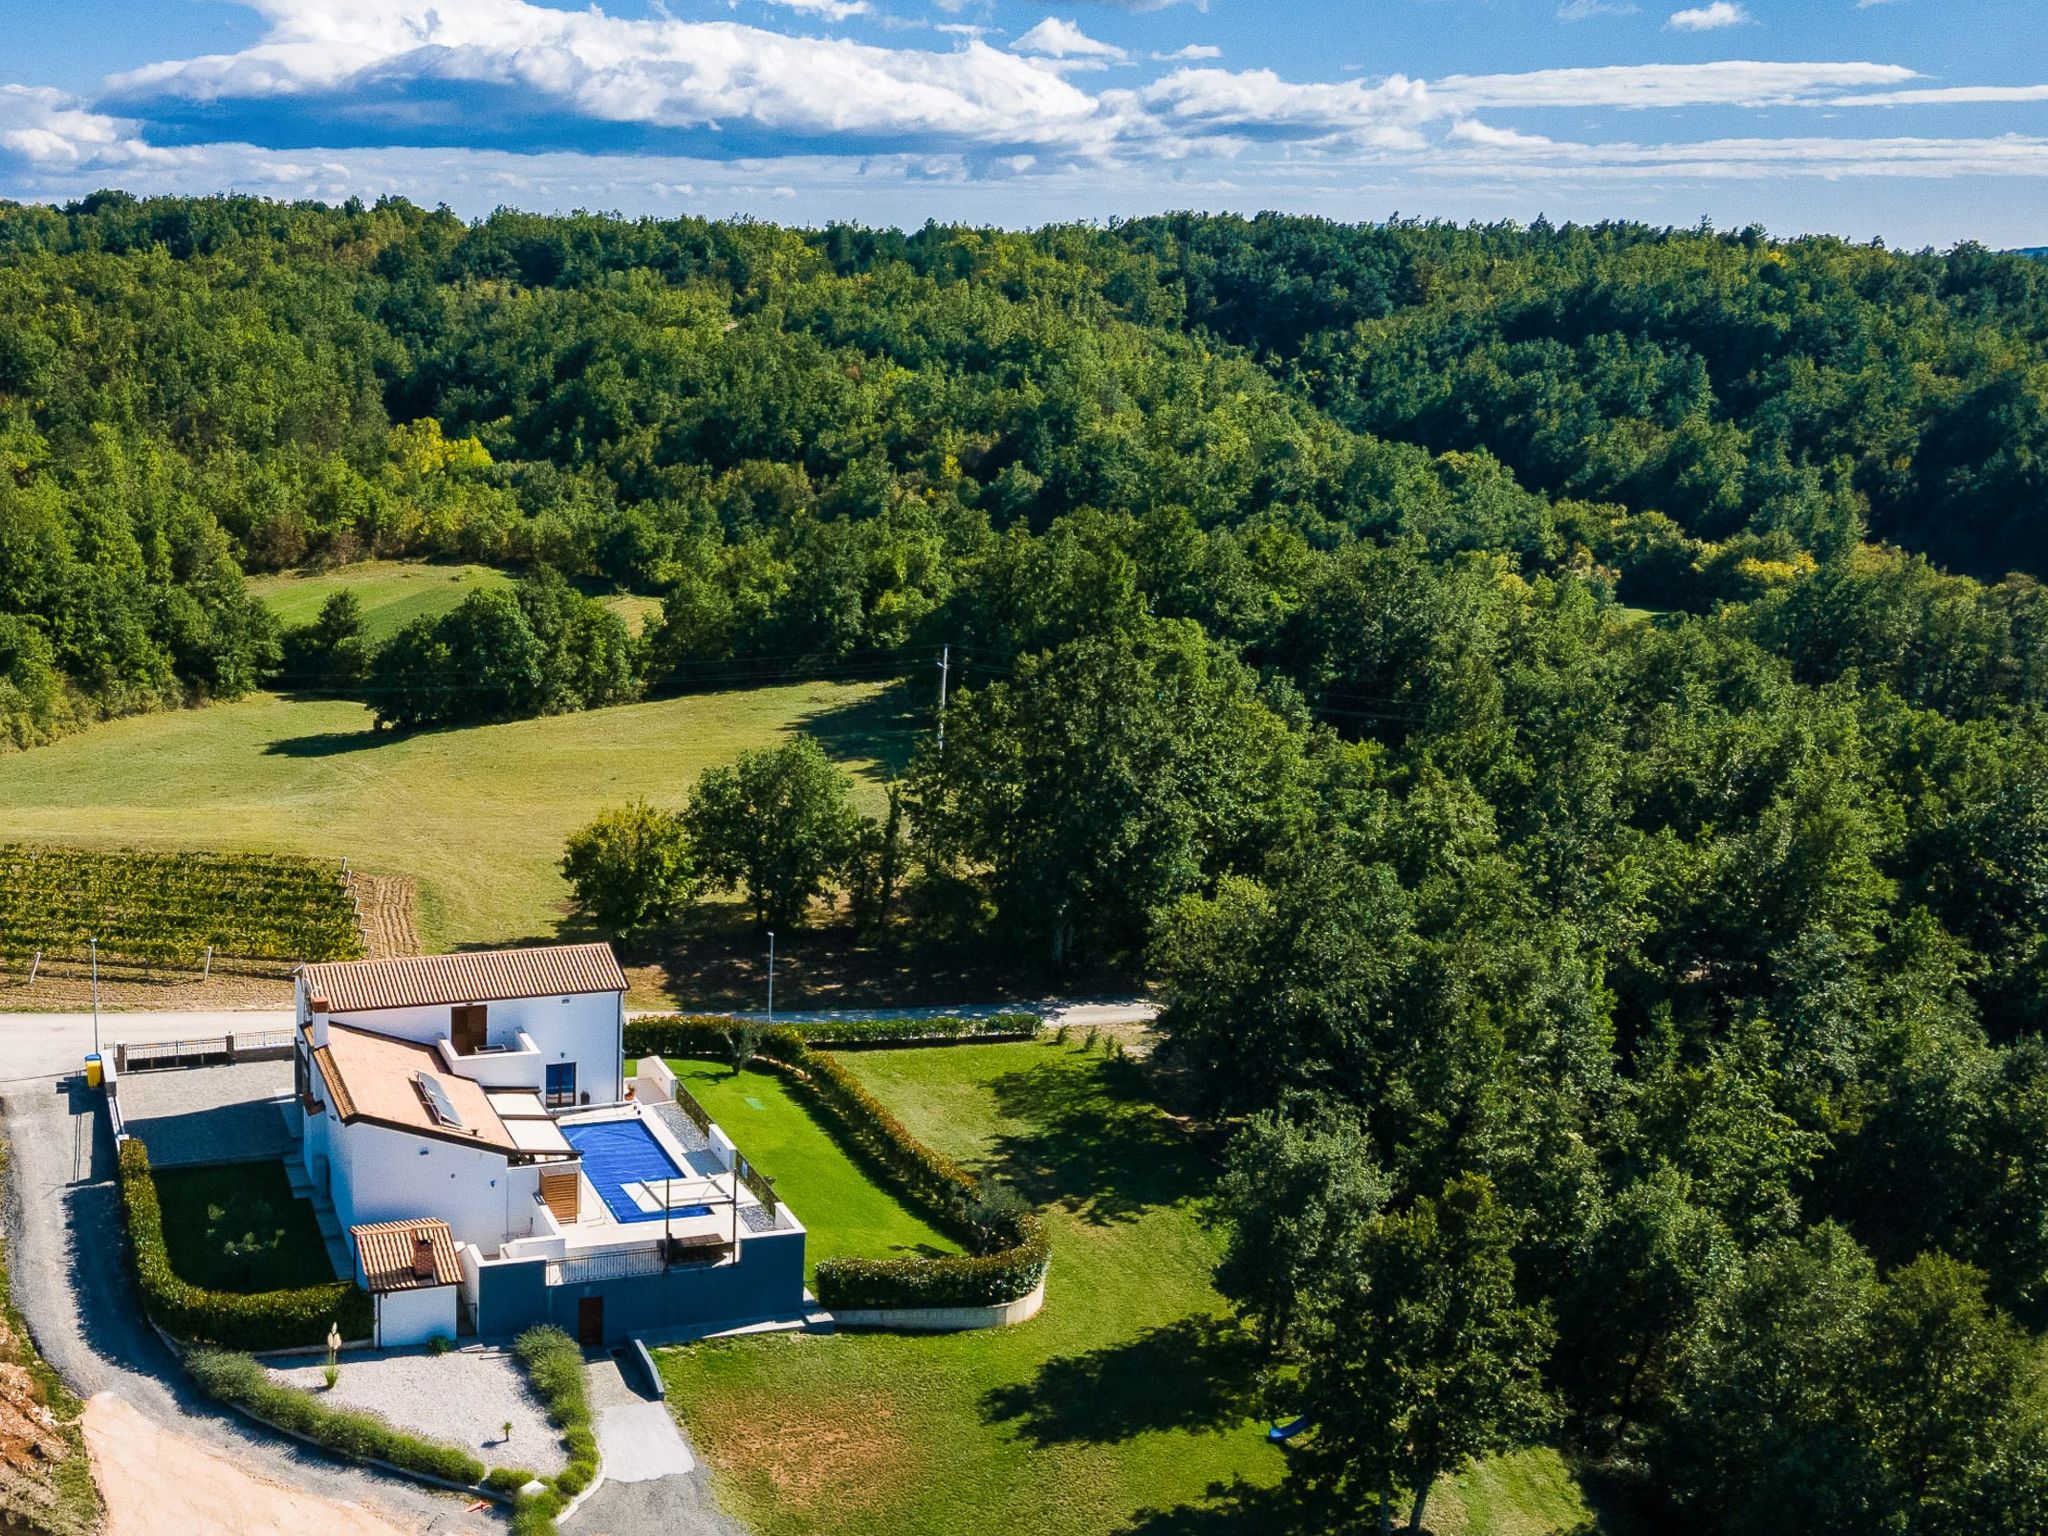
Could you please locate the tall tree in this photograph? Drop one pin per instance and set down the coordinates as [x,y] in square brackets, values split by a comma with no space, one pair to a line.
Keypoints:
[1422,1355]
[779,824]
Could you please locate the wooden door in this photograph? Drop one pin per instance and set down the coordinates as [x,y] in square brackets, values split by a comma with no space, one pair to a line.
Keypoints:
[590,1321]
[468,1028]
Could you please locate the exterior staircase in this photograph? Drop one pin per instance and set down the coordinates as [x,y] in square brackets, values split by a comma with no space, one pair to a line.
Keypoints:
[331,1236]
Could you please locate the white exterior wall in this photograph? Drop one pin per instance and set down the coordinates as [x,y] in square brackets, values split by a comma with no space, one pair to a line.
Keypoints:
[413,1317]
[385,1175]
[586,1029]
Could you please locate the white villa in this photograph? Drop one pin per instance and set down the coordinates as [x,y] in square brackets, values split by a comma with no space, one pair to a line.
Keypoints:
[470,1118]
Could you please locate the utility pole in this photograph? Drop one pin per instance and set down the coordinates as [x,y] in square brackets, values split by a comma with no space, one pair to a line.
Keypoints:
[945,675]
[95,947]
[771,978]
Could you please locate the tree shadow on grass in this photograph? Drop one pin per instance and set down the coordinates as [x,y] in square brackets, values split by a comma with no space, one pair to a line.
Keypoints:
[1200,1373]
[1238,1507]
[1097,1147]
[331,743]
[882,729]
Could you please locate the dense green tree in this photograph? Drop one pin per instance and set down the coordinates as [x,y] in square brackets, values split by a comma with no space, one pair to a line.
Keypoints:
[1297,1196]
[1104,779]
[778,824]
[1421,1356]
[329,655]
[631,870]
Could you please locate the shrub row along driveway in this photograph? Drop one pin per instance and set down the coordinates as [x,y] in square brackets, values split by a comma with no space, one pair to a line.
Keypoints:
[72,1285]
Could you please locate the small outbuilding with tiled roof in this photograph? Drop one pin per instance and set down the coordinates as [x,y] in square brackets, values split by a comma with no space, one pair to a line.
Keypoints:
[413,1277]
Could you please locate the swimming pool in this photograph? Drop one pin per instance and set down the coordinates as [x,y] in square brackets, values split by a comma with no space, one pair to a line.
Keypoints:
[620,1153]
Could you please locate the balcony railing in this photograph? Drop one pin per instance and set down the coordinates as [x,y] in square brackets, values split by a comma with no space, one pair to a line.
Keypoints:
[637,1263]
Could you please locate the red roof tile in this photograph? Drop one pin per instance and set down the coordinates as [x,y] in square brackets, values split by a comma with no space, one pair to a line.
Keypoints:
[482,976]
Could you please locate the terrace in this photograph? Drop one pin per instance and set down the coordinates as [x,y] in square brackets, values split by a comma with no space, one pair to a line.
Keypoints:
[655,1192]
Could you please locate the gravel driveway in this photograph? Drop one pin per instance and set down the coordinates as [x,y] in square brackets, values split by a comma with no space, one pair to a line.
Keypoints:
[465,1397]
[72,1285]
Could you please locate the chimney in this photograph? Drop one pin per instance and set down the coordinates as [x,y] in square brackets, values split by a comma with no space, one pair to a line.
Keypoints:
[422,1254]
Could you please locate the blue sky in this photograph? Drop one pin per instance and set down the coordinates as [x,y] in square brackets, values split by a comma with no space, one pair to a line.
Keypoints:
[1923,122]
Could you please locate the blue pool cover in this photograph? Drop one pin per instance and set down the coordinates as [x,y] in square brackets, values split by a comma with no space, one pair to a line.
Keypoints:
[621,1152]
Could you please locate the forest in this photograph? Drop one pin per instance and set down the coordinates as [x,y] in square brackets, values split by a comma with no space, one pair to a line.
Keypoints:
[1558,711]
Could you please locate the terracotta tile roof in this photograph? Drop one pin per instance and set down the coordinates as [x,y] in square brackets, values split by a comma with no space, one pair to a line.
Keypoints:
[482,976]
[384,1253]
[337,1090]
[374,1077]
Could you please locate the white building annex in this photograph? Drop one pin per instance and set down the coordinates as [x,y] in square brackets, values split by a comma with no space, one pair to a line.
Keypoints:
[470,1118]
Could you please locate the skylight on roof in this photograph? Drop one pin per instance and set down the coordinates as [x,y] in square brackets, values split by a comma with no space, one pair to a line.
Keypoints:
[438,1103]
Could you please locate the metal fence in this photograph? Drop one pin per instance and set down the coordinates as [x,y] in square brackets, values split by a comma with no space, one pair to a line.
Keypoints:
[215,1050]
[613,1264]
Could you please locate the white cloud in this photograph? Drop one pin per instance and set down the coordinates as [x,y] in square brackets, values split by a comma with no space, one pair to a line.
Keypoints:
[1472,131]
[831,10]
[662,73]
[50,132]
[1189,53]
[1721,83]
[1946,96]
[1585,10]
[1709,18]
[1064,40]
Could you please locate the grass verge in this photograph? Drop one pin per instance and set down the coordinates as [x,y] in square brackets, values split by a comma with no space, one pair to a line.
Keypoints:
[239,1228]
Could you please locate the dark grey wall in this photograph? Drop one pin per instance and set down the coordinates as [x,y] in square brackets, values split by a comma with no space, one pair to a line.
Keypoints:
[768,1280]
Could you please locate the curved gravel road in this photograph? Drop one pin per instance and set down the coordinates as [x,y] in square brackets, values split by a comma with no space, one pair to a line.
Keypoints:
[71,1283]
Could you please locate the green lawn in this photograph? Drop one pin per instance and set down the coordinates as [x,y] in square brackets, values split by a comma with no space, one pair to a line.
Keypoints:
[477,816]
[395,592]
[238,1228]
[845,1213]
[1123,1407]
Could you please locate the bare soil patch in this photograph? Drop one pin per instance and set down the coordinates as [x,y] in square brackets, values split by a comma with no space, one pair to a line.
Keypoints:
[157,1483]
[390,915]
[821,1454]
[67,988]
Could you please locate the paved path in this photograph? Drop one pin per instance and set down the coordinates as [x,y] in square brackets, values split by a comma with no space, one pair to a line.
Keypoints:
[67,1262]
[651,1481]
[233,1113]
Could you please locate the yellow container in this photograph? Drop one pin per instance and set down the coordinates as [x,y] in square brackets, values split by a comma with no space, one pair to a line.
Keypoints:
[93,1073]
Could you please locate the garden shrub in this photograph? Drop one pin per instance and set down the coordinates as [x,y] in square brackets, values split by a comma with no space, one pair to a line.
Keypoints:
[262,1320]
[1016,1259]
[840,1033]
[350,1432]
[508,1480]
[554,1366]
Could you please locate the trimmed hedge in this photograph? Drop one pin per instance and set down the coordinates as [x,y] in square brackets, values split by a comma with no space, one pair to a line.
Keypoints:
[262,1320]
[901,1031]
[349,1432]
[926,1177]
[554,1366]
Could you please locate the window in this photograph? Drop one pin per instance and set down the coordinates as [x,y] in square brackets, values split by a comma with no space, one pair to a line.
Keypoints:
[561,1084]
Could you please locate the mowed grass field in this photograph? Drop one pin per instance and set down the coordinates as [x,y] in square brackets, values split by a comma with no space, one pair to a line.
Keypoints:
[1125,1406]
[477,816]
[845,1213]
[395,592]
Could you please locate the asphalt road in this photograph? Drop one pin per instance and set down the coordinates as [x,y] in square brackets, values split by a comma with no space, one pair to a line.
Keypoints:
[48,1045]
